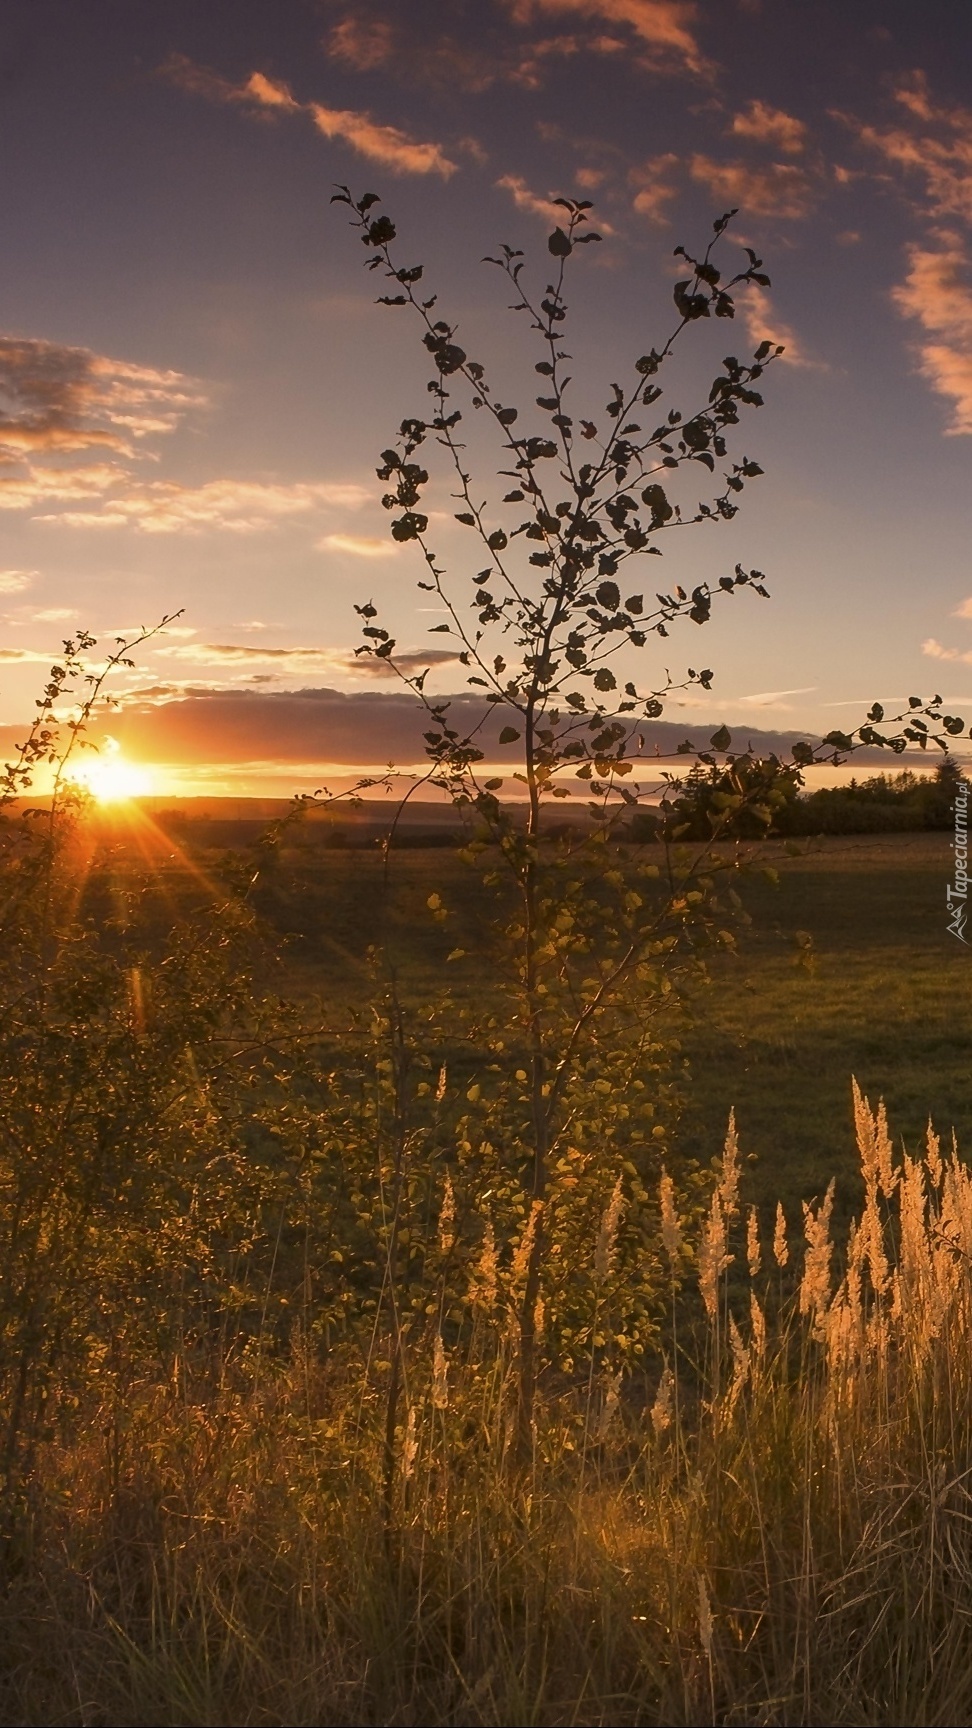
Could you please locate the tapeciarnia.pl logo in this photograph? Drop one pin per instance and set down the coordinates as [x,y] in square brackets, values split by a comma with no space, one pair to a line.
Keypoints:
[956,894]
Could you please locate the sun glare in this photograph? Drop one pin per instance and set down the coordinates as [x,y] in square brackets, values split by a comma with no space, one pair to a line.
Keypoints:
[110,778]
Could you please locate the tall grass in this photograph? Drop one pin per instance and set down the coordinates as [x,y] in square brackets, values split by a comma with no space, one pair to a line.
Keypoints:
[775,1527]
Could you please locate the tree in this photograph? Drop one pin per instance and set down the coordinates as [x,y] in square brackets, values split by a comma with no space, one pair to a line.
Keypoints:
[592,945]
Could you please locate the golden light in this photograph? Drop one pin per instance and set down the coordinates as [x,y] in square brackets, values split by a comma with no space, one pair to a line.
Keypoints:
[109,777]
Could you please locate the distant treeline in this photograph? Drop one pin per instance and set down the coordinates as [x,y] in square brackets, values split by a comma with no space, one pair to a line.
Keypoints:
[882,804]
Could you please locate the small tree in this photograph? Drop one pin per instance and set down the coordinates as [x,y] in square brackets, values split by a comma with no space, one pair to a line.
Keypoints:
[557,611]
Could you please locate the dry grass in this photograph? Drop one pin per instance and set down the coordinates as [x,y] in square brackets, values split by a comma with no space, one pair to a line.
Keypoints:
[779,1534]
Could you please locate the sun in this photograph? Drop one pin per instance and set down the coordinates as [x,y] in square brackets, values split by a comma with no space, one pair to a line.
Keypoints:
[110,778]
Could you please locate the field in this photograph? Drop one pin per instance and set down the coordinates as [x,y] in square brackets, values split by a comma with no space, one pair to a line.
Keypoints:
[264,1457]
[885,996]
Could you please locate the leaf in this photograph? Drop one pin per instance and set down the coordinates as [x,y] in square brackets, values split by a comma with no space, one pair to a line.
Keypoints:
[509,735]
[559,244]
[497,540]
[608,595]
[722,739]
[605,680]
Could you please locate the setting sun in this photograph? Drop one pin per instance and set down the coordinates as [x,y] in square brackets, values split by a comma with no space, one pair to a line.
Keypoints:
[110,778]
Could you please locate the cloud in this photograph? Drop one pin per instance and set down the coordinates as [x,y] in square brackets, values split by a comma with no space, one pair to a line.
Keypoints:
[361,729]
[288,660]
[780,189]
[774,698]
[662,27]
[763,324]
[654,191]
[937,292]
[239,506]
[938,150]
[767,125]
[935,651]
[531,202]
[54,614]
[384,144]
[534,204]
[965,610]
[58,400]
[15,581]
[388,145]
[359,545]
[363,44]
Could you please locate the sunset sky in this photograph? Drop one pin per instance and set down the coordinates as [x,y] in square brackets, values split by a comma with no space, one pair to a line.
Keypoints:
[195,384]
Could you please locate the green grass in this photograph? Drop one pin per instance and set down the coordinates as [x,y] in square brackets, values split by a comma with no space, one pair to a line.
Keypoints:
[889,999]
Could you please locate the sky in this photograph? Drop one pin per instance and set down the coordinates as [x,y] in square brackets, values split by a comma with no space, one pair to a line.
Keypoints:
[196,384]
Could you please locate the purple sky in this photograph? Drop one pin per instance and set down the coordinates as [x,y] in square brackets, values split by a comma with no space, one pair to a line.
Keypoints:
[195,385]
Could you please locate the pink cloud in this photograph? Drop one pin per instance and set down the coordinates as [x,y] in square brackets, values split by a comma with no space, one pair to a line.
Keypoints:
[661,26]
[239,506]
[763,324]
[388,145]
[938,294]
[935,651]
[938,149]
[780,189]
[362,43]
[654,190]
[766,125]
[65,400]
[384,144]
[532,202]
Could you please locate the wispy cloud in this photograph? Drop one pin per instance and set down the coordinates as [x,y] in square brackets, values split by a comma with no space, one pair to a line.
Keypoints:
[763,324]
[379,142]
[779,189]
[935,651]
[661,28]
[59,400]
[362,43]
[286,661]
[359,545]
[240,506]
[15,581]
[774,698]
[766,125]
[938,293]
[654,190]
[936,148]
[532,202]
[965,610]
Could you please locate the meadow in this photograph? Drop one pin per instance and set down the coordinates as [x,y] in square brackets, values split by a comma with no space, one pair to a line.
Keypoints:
[261,1455]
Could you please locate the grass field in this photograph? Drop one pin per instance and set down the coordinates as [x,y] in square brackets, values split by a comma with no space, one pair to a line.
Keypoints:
[887,996]
[223,1502]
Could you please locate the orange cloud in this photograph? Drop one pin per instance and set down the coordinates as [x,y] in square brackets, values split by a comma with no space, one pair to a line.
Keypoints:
[362,44]
[15,581]
[359,545]
[65,400]
[240,506]
[766,125]
[935,651]
[662,26]
[780,189]
[938,294]
[531,202]
[289,660]
[941,154]
[763,324]
[965,610]
[654,192]
[384,144]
